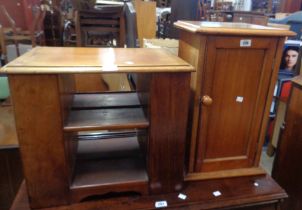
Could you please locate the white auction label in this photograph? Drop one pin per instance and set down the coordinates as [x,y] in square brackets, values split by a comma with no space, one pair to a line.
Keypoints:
[182,196]
[217,193]
[245,43]
[161,204]
[239,99]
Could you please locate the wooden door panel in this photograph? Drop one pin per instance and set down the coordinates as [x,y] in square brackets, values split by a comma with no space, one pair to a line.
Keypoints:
[237,80]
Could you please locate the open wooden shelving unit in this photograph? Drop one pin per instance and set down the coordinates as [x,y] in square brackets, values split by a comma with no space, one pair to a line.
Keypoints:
[108,163]
[77,146]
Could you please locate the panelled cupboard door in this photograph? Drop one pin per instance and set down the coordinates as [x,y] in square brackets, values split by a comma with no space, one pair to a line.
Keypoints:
[234,90]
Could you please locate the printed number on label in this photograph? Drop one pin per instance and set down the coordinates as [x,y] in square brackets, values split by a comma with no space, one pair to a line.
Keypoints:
[245,43]
[161,204]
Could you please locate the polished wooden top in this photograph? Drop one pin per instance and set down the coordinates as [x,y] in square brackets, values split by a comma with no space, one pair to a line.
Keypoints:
[44,60]
[220,28]
[298,80]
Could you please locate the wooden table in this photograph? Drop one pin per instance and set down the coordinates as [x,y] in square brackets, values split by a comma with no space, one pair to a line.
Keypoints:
[236,193]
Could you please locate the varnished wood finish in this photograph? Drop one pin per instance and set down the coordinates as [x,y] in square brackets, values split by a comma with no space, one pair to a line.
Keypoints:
[237,193]
[287,170]
[106,100]
[52,120]
[44,60]
[274,76]
[38,117]
[123,118]
[225,28]
[225,174]
[231,94]
[229,130]
[169,101]
[145,20]
[193,49]
[109,165]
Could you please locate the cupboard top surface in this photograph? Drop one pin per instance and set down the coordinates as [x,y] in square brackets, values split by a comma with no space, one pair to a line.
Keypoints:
[205,27]
[298,80]
[45,60]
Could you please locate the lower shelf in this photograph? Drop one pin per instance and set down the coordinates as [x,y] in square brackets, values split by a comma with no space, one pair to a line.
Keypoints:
[109,165]
[91,173]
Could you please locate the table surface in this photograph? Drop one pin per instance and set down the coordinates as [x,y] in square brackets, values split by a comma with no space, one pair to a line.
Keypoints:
[235,192]
[225,28]
[60,60]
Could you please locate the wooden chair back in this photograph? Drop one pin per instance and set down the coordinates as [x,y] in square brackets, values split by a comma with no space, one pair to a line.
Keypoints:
[99,27]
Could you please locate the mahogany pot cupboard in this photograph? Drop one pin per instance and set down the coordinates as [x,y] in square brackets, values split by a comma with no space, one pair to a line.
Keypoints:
[231,93]
[175,127]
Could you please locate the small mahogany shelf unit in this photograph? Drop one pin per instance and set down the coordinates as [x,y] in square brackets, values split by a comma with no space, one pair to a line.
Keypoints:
[232,89]
[75,146]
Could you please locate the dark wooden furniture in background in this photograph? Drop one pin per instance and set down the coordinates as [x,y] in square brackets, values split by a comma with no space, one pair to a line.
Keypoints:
[287,169]
[21,11]
[11,175]
[236,69]
[244,193]
[290,6]
[61,166]
[33,36]
[250,17]
[103,27]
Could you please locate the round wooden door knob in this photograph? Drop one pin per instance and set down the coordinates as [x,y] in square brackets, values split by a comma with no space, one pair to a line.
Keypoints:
[206,100]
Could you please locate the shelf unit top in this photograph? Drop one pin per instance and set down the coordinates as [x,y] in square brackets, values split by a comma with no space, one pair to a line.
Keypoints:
[61,60]
[228,28]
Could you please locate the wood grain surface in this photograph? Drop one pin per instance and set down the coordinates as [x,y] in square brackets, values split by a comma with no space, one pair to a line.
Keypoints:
[236,193]
[287,170]
[43,60]
[219,28]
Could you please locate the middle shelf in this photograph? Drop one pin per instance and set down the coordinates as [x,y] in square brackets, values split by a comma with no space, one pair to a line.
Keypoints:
[102,112]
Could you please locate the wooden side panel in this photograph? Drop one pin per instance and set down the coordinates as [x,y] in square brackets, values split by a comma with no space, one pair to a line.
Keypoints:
[67,90]
[192,48]
[287,168]
[168,112]
[146,20]
[274,76]
[39,125]
[238,81]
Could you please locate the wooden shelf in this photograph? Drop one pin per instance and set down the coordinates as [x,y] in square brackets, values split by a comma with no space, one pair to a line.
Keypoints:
[109,148]
[106,119]
[109,165]
[92,173]
[105,100]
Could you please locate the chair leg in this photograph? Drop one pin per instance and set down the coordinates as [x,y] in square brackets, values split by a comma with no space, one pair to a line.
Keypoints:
[17,48]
